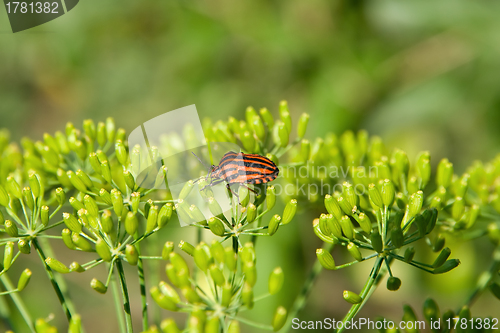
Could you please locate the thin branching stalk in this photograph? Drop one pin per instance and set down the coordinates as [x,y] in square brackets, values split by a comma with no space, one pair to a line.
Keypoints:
[126,300]
[18,301]
[118,304]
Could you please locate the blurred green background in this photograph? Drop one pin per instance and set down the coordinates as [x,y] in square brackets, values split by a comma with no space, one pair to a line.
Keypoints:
[423,75]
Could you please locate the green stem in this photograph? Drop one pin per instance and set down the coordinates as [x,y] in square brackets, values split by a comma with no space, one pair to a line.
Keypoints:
[18,302]
[118,302]
[485,278]
[300,301]
[55,285]
[365,294]
[254,324]
[142,286]
[126,301]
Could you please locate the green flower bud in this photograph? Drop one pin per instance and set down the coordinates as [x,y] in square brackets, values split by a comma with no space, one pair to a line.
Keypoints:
[91,205]
[230,259]
[131,223]
[66,237]
[323,224]
[191,295]
[76,267]
[430,215]
[215,208]
[438,243]
[216,226]
[167,249]
[89,128]
[258,127]
[393,283]
[250,272]
[197,215]
[98,286]
[409,254]
[375,195]
[416,202]
[444,173]
[8,254]
[121,152]
[458,208]
[56,265]
[217,251]
[165,214]
[110,129]
[267,116]
[131,254]
[72,223]
[95,163]
[350,195]
[447,266]
[279,318]
[247,296]
[431,310]
[212,325]
[441,259]
[129,179]
[247,253]
[103,250]
[162,300]
[276,280]
[333,207]
[186,247]
[24,246]
[169,326]
[75,324]
[333,226]
[152,219]
[234,327]
[135,200]
[186,189]
[76,181]
[270,197]
[347,227]
[274,225]
[251,213]
[376,240]
[250,113]
[178,261]
[4,197]
[24,279]
[217,275]
[305,151]
[76,204]
[60,196]
[248,141]
[117,200]
[289,211]
[409,316]
[81,242]
[172,274]
[365,223]
[346,206]
[424,168]
[280,134]
[35,185]
[388,193]
[243,195]
[401,163]
[325,258]
[397,237]
[13,187]
[351,297]
[50,156]
[11,228]
[201,258]
[106,171]
[84,178]
[106,222]
[302,125]
[354,251]
[169,292]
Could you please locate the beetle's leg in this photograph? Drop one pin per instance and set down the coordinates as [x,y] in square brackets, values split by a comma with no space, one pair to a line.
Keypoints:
[235,194]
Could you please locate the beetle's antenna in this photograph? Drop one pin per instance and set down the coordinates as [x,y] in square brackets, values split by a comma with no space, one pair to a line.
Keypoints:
[208,169]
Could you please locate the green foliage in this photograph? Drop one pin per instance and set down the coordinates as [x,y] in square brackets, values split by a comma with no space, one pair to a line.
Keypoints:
[82,188]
